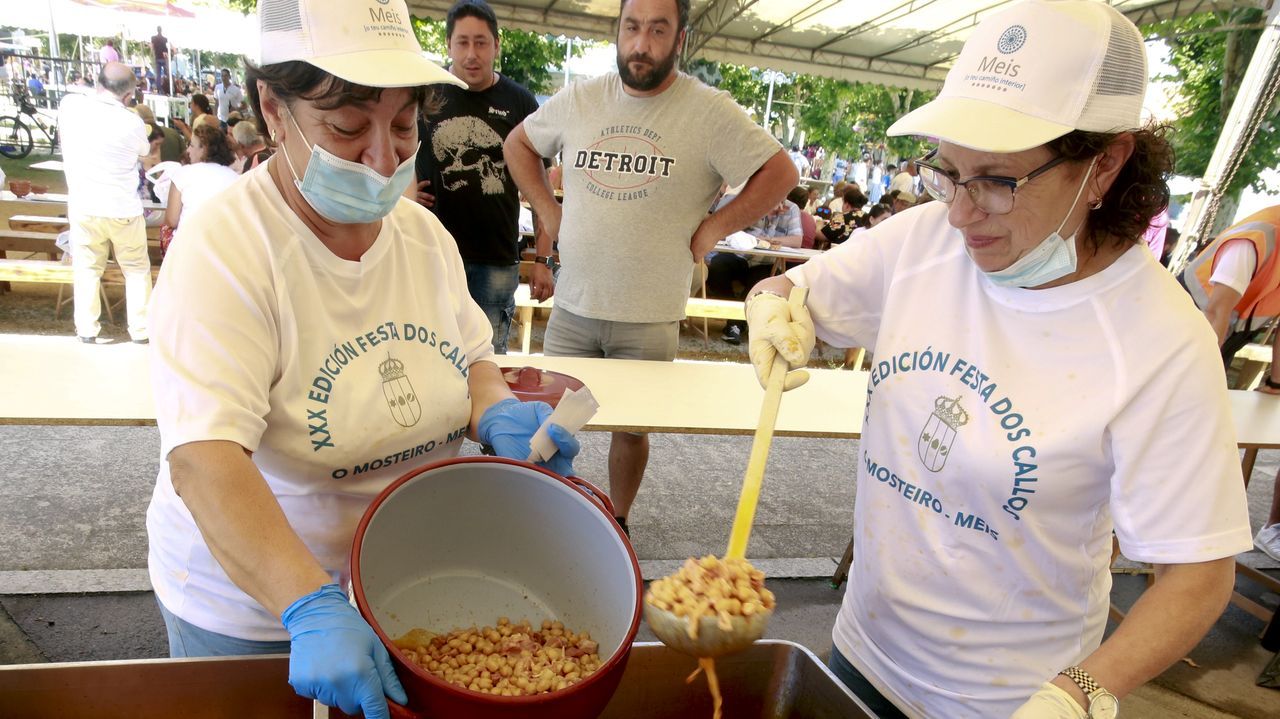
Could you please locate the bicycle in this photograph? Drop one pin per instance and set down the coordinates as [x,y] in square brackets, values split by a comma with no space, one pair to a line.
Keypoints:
[16,140]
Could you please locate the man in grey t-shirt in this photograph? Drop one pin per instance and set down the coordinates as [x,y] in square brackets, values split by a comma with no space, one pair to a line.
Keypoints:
[645,153]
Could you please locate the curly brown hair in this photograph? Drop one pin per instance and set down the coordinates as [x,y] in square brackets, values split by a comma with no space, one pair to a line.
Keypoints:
[216,147]
[1139,192]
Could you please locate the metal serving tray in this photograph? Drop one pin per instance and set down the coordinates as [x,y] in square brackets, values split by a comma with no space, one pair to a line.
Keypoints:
[771,680]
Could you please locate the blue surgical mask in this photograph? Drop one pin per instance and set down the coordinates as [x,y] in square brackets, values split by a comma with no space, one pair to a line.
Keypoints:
[348,192]
[1052,259]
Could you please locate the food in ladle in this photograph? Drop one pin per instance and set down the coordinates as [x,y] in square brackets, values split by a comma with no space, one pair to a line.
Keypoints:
[712,587]
[505,660]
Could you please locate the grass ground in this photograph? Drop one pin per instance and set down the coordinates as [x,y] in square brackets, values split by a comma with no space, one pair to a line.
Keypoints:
[21,170]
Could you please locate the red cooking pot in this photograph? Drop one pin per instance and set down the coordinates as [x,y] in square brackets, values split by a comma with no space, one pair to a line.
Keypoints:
[465,541]
[530,384]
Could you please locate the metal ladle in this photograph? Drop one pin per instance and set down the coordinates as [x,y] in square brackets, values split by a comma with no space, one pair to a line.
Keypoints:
[712,641]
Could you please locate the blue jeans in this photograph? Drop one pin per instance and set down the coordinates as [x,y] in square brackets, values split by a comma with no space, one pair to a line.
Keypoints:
[862,688]
[493,287]
[188,640]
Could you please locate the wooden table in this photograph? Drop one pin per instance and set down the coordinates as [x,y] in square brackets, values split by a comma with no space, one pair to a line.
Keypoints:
[780,257]
[59,380]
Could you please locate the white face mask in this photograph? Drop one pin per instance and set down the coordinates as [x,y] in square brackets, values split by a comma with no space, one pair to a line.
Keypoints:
[1052,259]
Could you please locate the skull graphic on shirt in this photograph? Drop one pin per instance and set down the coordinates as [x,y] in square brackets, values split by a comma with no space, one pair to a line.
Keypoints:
[469,151]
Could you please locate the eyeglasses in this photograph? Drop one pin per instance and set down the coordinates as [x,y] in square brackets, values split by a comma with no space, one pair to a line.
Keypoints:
[993,194]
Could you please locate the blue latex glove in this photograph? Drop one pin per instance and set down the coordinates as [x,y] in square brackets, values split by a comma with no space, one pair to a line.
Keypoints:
[335,656]
[509,425]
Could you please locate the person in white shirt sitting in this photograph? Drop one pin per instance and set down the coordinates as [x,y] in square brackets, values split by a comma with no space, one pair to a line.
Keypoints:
[208,173]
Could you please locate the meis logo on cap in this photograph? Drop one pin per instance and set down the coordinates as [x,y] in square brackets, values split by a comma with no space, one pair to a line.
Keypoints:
[1012,39]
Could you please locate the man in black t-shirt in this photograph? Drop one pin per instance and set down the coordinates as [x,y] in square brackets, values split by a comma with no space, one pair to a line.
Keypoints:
[160,53]
[462,175]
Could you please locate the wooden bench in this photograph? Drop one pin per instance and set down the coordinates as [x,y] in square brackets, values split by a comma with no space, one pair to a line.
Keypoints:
[29,242]
[695,307]
[45,223]
[61,273]
[1257,358]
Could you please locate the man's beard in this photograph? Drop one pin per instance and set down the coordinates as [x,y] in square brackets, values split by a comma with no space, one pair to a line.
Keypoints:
[659,70]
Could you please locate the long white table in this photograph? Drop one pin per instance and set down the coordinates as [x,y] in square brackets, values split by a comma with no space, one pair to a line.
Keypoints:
[59,380]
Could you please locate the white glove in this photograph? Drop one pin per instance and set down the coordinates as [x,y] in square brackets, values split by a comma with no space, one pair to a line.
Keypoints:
[1051,702]
[777,327]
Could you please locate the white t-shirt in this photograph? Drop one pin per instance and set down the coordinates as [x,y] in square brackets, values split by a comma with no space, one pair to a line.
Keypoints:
[199,183]
[227,98]
[640,174]
[903,182]
[339,376]
[1234,265]
[1008,431]
[102,142]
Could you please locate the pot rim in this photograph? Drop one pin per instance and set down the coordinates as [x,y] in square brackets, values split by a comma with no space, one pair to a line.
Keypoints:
[362,602]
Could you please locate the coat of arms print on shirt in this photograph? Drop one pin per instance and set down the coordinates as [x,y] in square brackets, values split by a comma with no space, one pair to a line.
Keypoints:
[398,391]
[469,151]
[939,433]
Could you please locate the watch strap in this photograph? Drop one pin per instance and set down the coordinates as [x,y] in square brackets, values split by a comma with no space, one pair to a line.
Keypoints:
[1270,382]
[1082,679]
[548,260]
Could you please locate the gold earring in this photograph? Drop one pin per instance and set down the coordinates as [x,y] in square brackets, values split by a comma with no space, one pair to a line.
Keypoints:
[1096,204]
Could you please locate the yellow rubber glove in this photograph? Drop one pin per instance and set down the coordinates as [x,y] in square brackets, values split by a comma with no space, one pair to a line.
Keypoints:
[1051,702]
[775,327]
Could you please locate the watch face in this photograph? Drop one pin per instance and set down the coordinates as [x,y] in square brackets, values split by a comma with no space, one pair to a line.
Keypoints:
[1103,705]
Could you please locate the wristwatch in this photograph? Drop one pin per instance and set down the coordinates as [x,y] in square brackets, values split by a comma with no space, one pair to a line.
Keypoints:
[1102,703]
[548,260]
[1270,382]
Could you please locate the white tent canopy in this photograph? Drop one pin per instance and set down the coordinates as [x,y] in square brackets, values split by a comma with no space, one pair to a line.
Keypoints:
[212,29]
[908,43]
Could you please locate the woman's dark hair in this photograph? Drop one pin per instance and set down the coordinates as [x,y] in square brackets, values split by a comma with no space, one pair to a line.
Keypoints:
[876,211]
[216,147]
[1139,192]
[202,102]
[478,9]
[799,195]
[296,80]
[854,196]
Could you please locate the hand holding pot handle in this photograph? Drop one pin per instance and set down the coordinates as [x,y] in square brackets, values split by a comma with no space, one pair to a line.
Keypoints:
[335,656]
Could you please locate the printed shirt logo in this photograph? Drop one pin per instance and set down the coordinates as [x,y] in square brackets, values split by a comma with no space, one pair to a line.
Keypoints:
[402,401]
[939,433]
[469,153]
[1012,39]
[622,163]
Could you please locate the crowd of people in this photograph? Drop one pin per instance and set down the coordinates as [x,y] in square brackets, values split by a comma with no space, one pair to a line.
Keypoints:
[163,71]
[345,195]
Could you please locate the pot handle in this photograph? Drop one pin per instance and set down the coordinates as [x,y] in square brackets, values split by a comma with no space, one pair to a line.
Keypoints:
[400,711]
[594,493]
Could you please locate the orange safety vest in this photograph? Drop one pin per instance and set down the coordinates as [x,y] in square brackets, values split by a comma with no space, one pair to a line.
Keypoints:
[1261,299]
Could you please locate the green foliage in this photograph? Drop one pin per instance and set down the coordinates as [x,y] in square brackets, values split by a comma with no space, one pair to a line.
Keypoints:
[842,117]
[1209,53]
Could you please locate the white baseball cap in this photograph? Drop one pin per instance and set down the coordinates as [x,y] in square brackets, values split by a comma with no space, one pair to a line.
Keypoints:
[366,42]
[1035,72]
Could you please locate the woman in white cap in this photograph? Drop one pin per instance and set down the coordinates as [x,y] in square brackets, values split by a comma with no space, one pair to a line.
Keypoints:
[313,340]
[1039,381]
